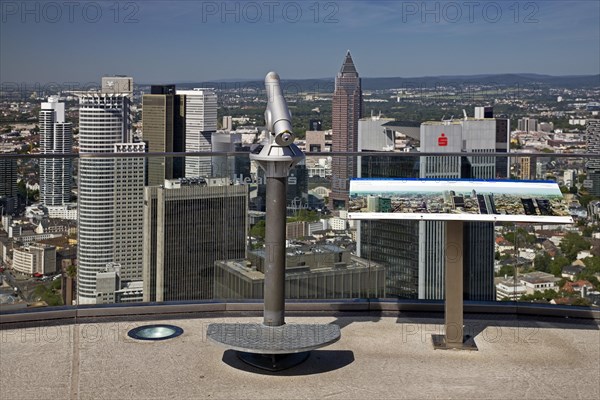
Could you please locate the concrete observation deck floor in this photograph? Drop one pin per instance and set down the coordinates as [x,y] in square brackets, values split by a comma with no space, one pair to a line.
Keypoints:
[376,357]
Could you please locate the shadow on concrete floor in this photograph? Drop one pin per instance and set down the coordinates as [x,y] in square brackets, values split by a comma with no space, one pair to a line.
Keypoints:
[318,362]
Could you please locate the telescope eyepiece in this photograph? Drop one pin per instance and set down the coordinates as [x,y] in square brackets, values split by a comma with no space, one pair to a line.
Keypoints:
[285,138]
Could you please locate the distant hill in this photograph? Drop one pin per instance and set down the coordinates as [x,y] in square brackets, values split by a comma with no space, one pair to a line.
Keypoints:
[325,85]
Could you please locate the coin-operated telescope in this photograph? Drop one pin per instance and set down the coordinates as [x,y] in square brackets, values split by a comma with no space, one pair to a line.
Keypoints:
[273,345]
[277,154]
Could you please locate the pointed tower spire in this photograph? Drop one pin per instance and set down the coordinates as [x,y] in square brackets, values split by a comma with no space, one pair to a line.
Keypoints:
[348,65]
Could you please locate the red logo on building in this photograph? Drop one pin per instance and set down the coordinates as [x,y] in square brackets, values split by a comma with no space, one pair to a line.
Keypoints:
[443,140]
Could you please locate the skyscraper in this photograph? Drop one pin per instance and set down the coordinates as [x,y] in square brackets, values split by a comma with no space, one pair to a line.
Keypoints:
[110,201]
[56,137]
[502,146]
[187,227]
[200,123]
[225,166]
[593,164]
[8,185]
[390,243]
[163,121]
[346,111]
[469,136]
[128,210]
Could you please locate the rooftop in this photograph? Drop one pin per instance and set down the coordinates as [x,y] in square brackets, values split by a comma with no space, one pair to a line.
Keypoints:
[378,356]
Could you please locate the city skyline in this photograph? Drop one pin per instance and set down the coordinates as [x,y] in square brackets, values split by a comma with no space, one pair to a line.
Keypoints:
[410,36]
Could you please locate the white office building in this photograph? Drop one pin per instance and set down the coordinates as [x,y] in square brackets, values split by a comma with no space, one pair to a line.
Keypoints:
[56,137]
[110,189]
[200,123]
[470,136]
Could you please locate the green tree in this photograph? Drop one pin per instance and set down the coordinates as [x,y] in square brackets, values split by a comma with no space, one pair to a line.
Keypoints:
[522,236]
[258,230]
[586,198]
[572,244]
[592,265]
[72,271]
[557,265]
[546,295]
[581,302]
[589,229]
[542,262]
[304,215]
[507,270]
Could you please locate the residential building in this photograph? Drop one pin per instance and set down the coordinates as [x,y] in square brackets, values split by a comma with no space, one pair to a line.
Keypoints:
[510,289]
[35,258]
[539,281]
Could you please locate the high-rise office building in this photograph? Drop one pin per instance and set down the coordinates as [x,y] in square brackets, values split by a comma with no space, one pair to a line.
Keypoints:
[502,138]
[163,121]
[128,210]
[527,124]
[200,123]
[225,166]
[187,227]
[393,244]
[593,164]
[346,111]
[110,200]
[525,171]
[502,146]
[390,243]
[374,136]
[8,185]
[469,136]
[56,137]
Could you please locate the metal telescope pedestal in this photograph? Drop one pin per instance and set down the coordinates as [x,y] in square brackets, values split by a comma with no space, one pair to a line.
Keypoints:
[453,312]
[273,345]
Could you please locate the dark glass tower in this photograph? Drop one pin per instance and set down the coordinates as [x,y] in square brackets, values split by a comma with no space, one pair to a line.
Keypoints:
[346,111]
[163,120]
[392,243]
[179,254]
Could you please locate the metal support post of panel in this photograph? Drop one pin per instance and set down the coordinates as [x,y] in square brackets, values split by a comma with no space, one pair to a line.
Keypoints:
[454,337]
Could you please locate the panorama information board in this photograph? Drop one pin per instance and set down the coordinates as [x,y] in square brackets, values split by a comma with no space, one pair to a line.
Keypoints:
[458,200]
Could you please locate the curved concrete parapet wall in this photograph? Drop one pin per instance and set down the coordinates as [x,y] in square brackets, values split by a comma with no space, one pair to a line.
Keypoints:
[136,311]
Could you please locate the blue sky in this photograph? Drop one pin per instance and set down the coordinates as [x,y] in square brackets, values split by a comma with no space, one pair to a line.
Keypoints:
[178,41]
